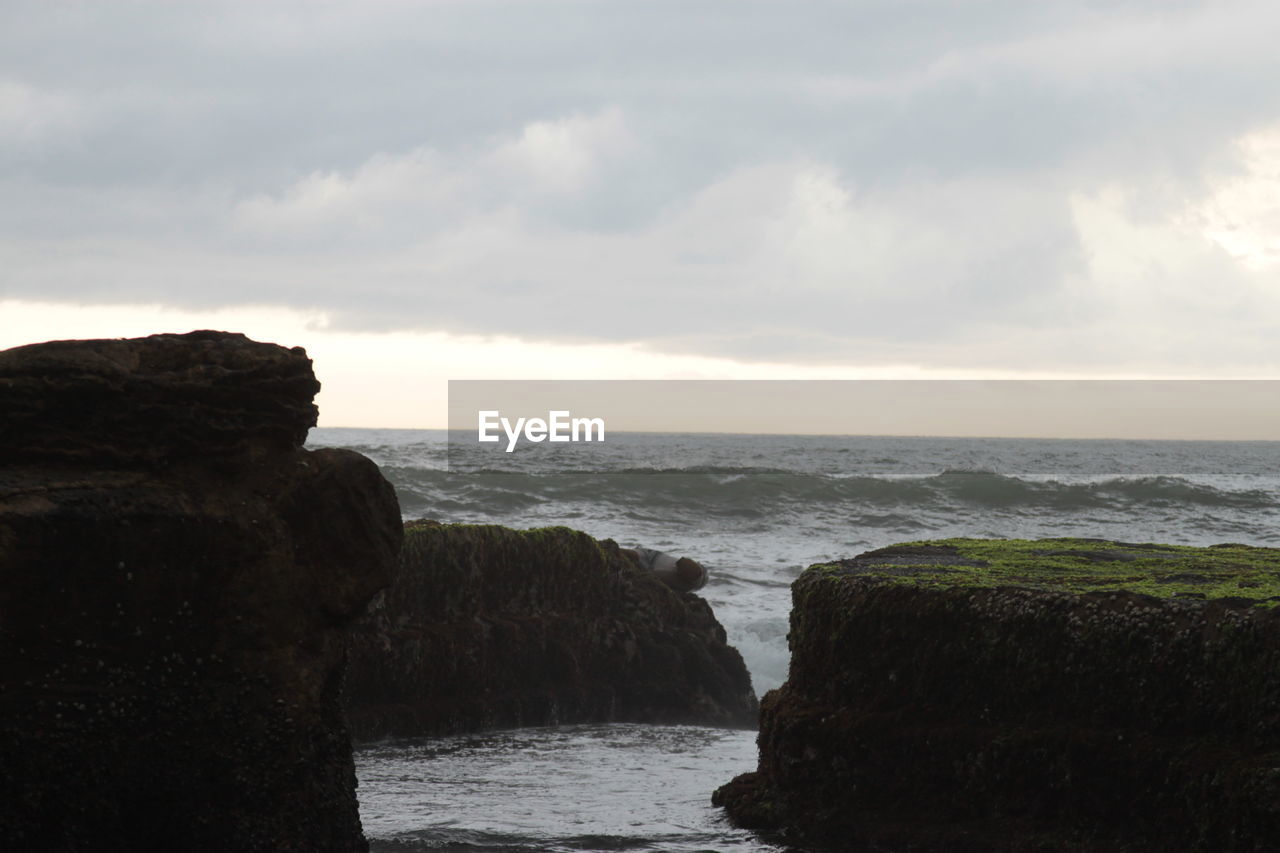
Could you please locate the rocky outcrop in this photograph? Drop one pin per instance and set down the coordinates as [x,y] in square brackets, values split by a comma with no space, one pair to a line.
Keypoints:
[176,580]
[491,627]
[1060,695]
[196,396]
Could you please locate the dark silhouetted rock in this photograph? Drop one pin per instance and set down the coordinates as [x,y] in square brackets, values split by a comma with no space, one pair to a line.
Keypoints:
[490,627]
[1060,695]
[176,581]
[155,400]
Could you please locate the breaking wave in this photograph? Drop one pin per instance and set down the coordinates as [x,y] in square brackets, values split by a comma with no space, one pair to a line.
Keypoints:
[744,492]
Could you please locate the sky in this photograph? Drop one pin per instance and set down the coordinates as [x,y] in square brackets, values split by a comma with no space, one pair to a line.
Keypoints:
[606,189]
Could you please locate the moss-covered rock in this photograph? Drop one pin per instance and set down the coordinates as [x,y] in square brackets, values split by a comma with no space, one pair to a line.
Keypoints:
[1065,694]
[490,627]
[1238,573]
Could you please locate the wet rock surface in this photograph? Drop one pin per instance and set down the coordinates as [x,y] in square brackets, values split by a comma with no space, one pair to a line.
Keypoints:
[177,577]
[489,627]
[1061,695]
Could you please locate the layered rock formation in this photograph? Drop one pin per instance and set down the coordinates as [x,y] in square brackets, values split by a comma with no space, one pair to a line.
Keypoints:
[176,580]
[1061,695]
[490,627]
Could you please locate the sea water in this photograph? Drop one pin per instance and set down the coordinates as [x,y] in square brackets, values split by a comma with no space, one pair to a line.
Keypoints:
[755,510]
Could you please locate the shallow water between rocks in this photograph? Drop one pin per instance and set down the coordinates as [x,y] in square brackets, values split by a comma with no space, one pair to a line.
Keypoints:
[572,788]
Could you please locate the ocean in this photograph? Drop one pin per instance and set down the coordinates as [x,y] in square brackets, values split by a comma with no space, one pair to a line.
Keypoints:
[755,510]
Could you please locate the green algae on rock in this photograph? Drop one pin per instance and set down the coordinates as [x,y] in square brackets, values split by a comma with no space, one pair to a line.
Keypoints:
[1063,694]
[1241,573]
[490,627]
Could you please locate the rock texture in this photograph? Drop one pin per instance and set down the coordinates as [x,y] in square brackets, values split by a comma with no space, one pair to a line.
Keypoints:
[200,395]
[491,627]
[1061,695]
[176,580]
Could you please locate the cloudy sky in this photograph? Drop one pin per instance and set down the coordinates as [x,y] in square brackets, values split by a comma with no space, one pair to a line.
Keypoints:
[418,191]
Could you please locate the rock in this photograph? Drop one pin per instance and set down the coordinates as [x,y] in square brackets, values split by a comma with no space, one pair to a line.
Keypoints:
[176,580]
[1060,695]
[153,400]
[489,627]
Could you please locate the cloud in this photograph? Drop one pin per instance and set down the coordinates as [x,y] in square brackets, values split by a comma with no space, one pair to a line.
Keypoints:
[387,197]
[1242,212]
[561,156]
[29,115]
[398,199]
[939,183]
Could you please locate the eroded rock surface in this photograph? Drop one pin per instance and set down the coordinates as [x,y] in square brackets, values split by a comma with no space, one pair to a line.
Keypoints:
[490,627]
[176,581]
[1061,695]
